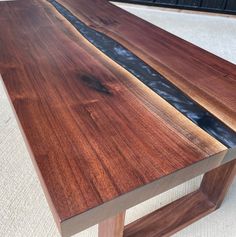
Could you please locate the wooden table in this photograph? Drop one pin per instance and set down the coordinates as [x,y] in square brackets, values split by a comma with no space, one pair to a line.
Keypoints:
[115,111]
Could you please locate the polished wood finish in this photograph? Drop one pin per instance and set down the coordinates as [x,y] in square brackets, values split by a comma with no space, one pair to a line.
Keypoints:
[216,183]
[197,72]
[184,211]
[171,218]
[101,140]
[112,227]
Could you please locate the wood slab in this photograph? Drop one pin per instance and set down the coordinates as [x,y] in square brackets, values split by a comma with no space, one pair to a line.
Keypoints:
[101,136]
[184,211]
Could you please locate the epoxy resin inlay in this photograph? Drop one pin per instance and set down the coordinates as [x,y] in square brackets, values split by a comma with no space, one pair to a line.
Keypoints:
[154,80]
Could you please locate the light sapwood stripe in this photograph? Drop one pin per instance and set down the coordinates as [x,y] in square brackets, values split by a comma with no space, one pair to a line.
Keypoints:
[206,78]
[153,79]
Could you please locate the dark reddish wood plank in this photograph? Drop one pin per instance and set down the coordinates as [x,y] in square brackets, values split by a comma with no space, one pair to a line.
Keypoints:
[205,77]
[216,183]
[150,78]
[184,211]
[171,218]
[98,136]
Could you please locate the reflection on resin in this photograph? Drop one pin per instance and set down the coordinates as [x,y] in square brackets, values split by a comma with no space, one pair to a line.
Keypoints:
[154,80]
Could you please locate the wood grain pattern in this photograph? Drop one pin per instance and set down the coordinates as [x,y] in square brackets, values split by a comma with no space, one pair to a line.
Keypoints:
[197,72]
[216,183]
[184,211]
[97,134]
[152,79]
[171,218]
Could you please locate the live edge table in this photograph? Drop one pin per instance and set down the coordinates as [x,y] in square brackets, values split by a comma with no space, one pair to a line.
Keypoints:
[115,111]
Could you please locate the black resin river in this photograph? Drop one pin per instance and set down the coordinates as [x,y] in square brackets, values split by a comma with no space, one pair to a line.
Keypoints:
[154,80]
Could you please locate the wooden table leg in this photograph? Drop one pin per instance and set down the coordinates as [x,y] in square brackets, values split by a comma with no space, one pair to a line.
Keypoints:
[184,211]
[178,214]
[112,227]
[216,183]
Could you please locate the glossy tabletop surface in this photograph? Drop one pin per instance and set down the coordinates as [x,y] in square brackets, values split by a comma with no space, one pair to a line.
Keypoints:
[114,110]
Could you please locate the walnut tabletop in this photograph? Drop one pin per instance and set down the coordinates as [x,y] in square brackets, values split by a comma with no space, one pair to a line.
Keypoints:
[114,110]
